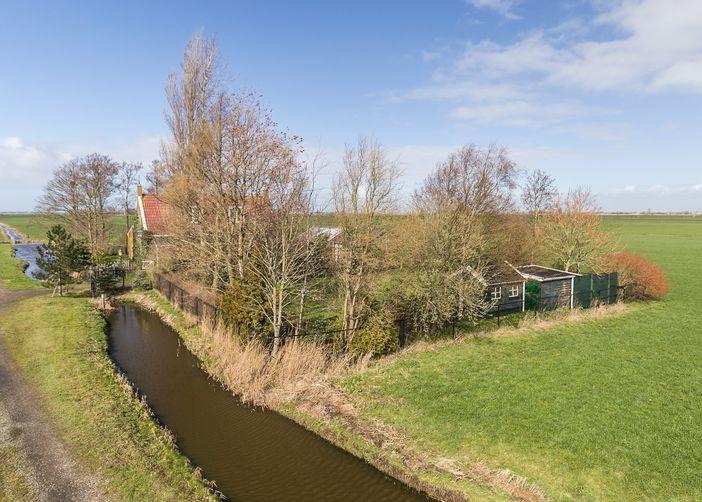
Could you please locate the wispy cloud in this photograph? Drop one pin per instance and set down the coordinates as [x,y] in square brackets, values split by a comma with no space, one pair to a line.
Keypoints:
[26,166]
[657,46]
[546,77]
[503,7]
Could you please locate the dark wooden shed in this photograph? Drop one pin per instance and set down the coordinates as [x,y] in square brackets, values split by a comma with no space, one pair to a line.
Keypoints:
[556,285]
[504,288]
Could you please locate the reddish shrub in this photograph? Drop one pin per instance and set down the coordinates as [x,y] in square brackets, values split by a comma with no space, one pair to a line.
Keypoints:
[641,279]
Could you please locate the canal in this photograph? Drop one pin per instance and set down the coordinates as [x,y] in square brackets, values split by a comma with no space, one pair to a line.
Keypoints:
[250,453]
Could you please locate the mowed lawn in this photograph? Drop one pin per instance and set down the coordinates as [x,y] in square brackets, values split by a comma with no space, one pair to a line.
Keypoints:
[607,409]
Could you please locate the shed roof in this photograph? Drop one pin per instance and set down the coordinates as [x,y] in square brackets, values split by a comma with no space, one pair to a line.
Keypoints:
[502,273]
[542,274]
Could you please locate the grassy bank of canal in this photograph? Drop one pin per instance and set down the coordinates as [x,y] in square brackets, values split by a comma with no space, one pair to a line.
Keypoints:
[11,270]
[60,345]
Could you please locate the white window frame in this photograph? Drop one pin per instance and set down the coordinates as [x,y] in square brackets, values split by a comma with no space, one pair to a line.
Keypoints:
[514,291]
[496,293]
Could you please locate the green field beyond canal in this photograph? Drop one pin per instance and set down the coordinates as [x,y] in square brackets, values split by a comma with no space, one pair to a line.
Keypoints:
[608,409]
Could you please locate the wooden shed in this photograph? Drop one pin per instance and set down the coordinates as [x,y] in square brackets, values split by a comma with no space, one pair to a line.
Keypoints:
[504,288]
[556,286]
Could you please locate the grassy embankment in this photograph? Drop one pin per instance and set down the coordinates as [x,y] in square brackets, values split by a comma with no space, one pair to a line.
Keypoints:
[60,345]
[606,409]
[12,270]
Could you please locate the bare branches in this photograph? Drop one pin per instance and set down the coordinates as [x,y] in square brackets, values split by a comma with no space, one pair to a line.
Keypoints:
[364,189]
[368,181]
[572,233]
[538,193]
[457,205]
[475,181]
[125,183]
[81,193]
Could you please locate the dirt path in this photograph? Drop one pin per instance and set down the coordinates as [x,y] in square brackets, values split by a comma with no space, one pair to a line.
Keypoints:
[54,475]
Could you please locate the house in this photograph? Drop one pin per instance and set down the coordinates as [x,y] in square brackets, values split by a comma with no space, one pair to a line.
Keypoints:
[556,287]
[152,212]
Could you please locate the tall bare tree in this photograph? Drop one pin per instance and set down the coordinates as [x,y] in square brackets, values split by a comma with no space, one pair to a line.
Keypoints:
[364,189]
[538,194]
[224,160]
[81,193]
[461,205]
[573,235]
[126,182]
[280,256]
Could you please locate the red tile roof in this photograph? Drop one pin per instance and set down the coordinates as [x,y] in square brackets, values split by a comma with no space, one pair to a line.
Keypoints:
[154,213]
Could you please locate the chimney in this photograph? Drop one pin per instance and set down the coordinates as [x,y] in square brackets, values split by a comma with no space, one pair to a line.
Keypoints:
[139,191]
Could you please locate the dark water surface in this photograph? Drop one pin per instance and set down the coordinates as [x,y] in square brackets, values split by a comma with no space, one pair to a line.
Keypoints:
[251,454]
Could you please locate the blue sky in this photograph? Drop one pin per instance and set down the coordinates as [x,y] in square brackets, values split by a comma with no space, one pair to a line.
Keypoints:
[604,93]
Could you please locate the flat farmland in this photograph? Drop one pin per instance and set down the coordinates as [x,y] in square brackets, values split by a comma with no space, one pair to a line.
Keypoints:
[603,409]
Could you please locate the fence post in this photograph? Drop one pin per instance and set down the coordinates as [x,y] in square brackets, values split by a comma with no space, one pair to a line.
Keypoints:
[498,315]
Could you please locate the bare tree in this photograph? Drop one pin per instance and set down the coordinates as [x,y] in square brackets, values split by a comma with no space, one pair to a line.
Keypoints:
[81,193]
[316,164]
[478,181]
[573,235]
[538,194]
[364,189]
[126,181]
[280,256]
[461,206]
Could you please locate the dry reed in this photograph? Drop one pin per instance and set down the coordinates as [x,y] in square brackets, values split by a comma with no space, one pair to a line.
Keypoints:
[303,373]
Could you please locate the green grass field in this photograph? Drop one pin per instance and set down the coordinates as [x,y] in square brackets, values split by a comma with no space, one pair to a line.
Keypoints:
[35,226]
[608,409]
[12,275]
[61,347]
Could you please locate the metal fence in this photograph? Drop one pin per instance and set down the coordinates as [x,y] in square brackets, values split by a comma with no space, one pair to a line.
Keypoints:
[585,292]
[185,301]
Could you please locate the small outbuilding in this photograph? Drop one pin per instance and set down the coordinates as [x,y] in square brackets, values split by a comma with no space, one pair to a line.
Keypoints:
[504,288]
[556,286]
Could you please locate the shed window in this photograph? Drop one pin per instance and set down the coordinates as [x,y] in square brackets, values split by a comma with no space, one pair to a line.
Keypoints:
[496,293]
[513,291]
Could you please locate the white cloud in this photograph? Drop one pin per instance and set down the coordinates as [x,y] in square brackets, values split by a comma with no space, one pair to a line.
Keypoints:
[658,45]
[532,54]
[26,166]
[656,197]
[503,7]
[475,91]
[428,56]
[520,113]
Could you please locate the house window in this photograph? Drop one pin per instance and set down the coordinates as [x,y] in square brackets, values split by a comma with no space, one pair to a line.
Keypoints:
[513,291]
[496,293]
